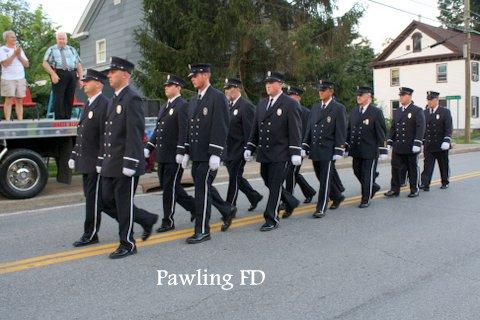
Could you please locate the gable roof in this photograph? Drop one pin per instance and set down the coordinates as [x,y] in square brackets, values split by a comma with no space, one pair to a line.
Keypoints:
[88,15]
[450,38]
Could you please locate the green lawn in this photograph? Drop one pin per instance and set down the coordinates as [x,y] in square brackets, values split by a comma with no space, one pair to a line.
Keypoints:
[475,136]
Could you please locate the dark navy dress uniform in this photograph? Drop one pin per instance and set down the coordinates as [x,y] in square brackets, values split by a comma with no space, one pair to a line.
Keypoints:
[169,139]
[324,138]
[206,136]
[438,130]
[89,142]
[365,142]
[241,113]
[294,176]
[275,137]
[123,149]
[407,130]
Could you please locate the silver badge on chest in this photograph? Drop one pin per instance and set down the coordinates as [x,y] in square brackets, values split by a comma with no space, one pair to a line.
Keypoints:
[205,111]
[90,114]
[119,109]
[409,116]
[235,112]
[329,119]
[366,122]
[438,116]
[170,112]
[279,112]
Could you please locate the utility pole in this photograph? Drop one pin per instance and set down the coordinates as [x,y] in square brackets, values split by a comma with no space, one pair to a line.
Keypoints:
[467,55]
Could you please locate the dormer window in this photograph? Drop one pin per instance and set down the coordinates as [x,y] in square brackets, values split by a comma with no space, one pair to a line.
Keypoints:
[417,42]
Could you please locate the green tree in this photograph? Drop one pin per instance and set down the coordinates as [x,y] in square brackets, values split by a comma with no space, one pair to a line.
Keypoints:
[452,13]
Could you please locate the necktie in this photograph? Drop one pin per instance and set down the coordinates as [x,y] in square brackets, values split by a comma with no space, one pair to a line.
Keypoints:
[324,106]
[361,109]
[168,104]
[270,103]
[431,111]
[230,105]
[87,104]
[64,59]
[199,97]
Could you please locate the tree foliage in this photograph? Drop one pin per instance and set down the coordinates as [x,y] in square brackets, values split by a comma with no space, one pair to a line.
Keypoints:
[245,38]
[452,13]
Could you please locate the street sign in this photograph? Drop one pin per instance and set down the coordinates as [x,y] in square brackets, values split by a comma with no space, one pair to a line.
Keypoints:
[453,97]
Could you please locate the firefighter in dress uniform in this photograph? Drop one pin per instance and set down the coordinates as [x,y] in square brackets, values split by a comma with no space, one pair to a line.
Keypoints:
[437,141]
[169,139]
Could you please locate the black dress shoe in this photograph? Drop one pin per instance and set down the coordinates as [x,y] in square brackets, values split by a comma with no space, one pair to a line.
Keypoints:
[375,189]
[319,214]
[413,194]
[269,227]
[198,237]
[227,222]
[147,229]
[254,204]
[165,228]
[426,188]
[364,205]
[281,206]
[85,241]
[287,213]
[122,252]
[391,194]
[336,203]
[308,199]
[444,186]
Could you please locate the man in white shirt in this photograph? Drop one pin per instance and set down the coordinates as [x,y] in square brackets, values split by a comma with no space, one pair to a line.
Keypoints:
[13,83]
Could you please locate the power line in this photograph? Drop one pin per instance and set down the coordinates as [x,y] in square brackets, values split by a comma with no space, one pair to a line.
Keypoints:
[421,3]
[401,10]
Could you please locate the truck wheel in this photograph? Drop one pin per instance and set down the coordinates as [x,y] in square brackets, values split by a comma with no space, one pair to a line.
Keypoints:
[23,174]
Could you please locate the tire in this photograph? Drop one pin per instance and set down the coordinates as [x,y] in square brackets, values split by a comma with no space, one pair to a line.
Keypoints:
[23,174]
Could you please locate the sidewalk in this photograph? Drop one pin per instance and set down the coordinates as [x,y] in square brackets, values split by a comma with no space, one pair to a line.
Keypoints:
[57,194]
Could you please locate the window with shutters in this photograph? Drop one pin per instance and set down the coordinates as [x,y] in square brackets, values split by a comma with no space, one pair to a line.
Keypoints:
[394,77]
[475,107]
[417,42]
[475,71]
[101,51]
[442,72]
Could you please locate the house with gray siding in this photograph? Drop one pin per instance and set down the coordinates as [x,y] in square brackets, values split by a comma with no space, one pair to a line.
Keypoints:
[106,28]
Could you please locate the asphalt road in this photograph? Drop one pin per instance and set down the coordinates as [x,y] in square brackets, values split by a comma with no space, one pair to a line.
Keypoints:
[398,259]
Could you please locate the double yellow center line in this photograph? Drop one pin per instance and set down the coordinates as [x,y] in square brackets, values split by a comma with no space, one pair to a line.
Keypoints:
[77,254]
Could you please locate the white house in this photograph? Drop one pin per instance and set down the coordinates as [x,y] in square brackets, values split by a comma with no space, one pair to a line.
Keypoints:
[424,58]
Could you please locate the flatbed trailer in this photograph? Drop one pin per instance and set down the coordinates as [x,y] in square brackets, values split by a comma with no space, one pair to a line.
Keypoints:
[26,146]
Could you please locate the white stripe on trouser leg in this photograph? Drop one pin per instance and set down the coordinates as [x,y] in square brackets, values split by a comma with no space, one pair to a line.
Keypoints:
[96,207]
[371,180]
[279,196]
[327,183]
[418,172]
[170,216]
[235,194]
[205,200]
[294,181]
[131,216]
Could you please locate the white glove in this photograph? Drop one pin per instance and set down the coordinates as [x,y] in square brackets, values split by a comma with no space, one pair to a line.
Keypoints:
[128,172]
[179,159]
[416,149]
[336,157]
[445,146]
[383,157]
[345,154]
[389,148]
[185,161]
[296,160]
[146,153]
[247,154]
[214,162]
[71,164]
[303,153]
[98,168]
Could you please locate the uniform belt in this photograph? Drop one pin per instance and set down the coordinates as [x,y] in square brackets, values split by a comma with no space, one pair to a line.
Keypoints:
[60,69]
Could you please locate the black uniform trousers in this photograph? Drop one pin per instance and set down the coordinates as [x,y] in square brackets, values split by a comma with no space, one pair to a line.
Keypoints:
[63,93]
[294,177]
[205,196]
[429,164]
[365,170]
[399,163]
[93,209]
[330,183]
[273,175]
[117,200]
[236,182]
[170,177]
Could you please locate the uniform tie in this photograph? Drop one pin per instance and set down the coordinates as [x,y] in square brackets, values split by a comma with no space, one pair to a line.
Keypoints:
[324,106]
[230,105]
[270,103]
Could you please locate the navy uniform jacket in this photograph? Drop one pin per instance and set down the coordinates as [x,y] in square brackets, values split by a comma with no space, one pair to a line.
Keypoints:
[438,129]
[123,136]
[326,131]
[89,140]
[170,132]
[304,115]
[276,132]
[241,122]
[366,133]
[408,129]
[207,126]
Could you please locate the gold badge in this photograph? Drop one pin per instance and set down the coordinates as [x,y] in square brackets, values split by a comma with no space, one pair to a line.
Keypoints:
[205,111]
[409,115]
[170,112]
[438,116]
[279,112]
[119,109]
[90,114]
[235,112]
[329,119]
[366,122]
